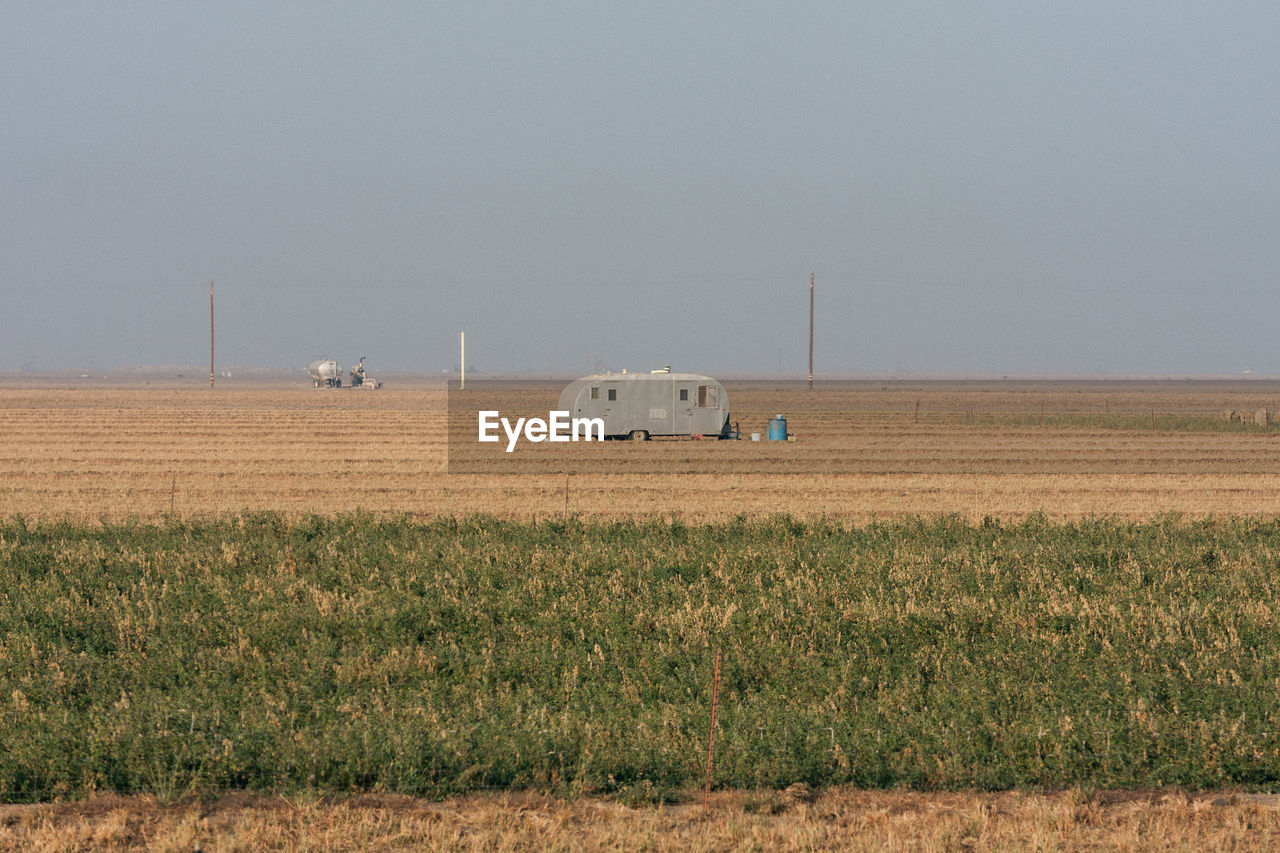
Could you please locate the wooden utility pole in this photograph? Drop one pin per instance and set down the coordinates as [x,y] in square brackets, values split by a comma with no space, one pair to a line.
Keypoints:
[210,333]
[810,331]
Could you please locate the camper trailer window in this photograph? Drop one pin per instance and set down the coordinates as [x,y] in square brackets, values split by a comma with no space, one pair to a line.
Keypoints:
[707,397]
[613,393]
[684,394]
[595,393]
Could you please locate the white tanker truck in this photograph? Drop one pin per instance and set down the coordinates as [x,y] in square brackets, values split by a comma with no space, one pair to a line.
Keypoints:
[325,373]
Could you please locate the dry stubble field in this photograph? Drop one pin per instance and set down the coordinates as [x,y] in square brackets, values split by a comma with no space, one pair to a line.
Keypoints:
[865,450]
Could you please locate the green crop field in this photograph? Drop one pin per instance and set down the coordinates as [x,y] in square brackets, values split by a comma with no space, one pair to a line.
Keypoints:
[351,653]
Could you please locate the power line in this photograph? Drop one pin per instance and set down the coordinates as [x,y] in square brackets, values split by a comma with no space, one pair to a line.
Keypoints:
[437,284]
[865,282]
[1041,288]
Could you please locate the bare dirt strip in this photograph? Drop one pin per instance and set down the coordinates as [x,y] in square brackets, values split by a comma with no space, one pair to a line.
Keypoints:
[112,453]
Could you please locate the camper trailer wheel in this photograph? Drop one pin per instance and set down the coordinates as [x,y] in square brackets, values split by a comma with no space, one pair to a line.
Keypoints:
[639,435]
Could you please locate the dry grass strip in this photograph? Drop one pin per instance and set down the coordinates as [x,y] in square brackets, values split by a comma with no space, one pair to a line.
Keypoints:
[787,820]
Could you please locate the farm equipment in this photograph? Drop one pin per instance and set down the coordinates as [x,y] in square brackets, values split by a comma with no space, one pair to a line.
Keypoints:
[360,380]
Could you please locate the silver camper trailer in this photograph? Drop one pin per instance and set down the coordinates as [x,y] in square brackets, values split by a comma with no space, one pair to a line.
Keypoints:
[642,405]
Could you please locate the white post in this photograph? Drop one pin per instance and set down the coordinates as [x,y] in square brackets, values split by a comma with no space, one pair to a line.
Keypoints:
[462,340]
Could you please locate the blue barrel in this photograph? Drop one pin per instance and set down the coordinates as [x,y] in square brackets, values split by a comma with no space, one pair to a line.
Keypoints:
[778,428]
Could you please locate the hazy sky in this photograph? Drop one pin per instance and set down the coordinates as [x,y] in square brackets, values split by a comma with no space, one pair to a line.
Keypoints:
[978,186]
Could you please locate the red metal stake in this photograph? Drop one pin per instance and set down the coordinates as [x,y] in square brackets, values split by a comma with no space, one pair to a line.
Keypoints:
[711,740]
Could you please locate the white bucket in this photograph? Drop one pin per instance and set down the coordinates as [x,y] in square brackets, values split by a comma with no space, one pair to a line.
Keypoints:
[755,436]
